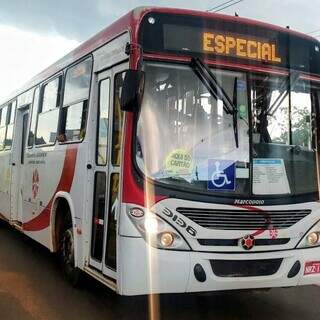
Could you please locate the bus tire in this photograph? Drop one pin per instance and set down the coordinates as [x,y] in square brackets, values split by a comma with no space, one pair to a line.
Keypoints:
[67,259]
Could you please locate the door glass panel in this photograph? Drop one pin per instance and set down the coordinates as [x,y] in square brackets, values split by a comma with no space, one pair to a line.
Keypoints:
[98,215]
[34,118]
[111,257]
[117,120]
[103,114]
[24,135]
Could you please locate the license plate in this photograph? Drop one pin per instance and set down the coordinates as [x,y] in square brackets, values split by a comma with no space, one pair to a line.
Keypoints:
[312,267]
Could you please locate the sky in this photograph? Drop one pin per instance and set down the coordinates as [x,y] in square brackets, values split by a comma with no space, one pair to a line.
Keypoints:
[36,33]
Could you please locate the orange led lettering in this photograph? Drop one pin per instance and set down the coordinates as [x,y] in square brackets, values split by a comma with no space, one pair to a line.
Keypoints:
[220,47]
[252,49]
[207,41]
[274,55]
[241,47]
[230,44]
[259,50]
[266,52]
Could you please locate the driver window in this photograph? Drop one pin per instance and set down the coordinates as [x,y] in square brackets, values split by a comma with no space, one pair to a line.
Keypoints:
[270,110]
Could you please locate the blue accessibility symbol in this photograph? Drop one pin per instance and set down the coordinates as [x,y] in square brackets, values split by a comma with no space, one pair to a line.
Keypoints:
[221,175]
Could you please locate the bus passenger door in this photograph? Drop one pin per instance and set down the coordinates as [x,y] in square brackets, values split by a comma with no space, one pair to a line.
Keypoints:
[18,160]
[106,184]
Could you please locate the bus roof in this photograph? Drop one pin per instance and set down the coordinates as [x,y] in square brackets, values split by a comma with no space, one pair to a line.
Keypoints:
[130,22]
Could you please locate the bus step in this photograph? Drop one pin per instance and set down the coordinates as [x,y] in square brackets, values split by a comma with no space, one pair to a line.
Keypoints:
[101,278]
[17,225]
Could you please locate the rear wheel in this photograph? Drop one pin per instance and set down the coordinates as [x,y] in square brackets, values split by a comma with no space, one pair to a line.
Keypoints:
[67,259]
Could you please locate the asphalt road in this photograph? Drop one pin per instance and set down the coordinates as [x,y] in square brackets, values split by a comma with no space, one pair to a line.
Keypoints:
[32,288]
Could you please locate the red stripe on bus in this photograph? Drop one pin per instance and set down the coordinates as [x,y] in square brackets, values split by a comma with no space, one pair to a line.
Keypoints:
[250,208]
[132,192]
[42,221]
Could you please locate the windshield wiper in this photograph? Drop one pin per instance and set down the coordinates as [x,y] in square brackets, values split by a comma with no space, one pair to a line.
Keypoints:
[235,112]
[210,81]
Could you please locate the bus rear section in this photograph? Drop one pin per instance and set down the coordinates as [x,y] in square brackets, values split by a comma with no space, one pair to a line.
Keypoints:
[220,177]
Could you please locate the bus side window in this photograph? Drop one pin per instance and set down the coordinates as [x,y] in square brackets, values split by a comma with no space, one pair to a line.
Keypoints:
[117,120]
[33,121]
[10,126]
[3,126]
[75,102]
[49,113]
[3,115]
[103,120]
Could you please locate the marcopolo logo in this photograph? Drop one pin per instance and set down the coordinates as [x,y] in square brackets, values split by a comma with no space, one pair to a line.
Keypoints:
[249,202]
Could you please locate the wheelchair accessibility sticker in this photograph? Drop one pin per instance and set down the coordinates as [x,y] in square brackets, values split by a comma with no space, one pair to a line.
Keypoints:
[221,175]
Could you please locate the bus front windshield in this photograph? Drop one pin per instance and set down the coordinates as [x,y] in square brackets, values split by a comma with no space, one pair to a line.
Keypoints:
[186,137]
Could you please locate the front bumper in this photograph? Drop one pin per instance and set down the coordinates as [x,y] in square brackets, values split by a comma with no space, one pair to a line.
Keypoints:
[146,270]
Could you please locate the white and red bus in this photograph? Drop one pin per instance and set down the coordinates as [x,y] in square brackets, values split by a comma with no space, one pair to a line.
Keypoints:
[175,151]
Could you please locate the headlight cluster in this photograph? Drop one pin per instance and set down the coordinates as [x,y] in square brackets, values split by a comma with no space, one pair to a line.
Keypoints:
[312,237]
[156,231]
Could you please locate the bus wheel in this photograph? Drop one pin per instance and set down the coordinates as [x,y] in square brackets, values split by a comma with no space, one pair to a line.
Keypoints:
[67,261]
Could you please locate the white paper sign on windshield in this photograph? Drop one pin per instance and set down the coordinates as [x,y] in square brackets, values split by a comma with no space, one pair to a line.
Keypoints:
[270,177]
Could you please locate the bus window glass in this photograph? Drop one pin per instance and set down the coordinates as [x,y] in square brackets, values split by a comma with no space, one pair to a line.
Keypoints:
[78,82]
[301,115]
[49,115]
[13,112]
[75,122]
[2,136]
[33,118]
[9,136]
[271,109]
[47,127]
[75,103]
[98,215]
[50,95]
[111,252]
[281,149]
[103,120]
[117,121]
[184,134]
[4,112]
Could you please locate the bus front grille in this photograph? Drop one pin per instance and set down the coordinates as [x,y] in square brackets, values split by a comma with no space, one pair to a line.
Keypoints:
[243,219]
[245,268]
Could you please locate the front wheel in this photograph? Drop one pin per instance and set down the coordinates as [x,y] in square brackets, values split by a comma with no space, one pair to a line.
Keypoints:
[67,260]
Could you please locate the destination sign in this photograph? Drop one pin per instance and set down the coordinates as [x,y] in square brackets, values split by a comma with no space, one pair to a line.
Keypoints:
[241,47]
[226,40]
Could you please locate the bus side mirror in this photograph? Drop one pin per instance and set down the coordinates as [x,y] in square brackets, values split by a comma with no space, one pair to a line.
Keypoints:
[132,90]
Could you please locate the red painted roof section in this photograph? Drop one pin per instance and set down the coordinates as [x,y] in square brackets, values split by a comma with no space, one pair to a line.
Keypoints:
[130,22]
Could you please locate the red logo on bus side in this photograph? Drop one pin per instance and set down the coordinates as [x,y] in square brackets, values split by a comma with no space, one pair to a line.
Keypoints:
[35,183]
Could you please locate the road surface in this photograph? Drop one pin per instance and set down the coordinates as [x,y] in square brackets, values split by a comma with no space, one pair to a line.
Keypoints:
[32,288]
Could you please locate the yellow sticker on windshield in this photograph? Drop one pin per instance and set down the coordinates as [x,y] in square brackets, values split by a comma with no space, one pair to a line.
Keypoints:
[179,162]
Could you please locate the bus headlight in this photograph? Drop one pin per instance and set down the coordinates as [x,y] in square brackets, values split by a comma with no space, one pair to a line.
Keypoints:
[311,238]
[167,239]
[151,225]
[157,232]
